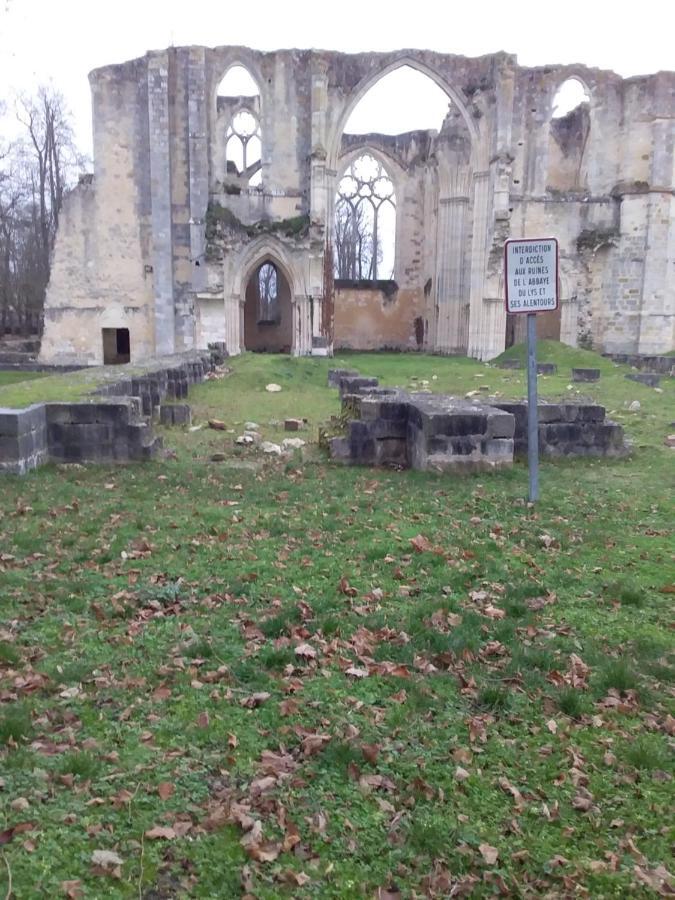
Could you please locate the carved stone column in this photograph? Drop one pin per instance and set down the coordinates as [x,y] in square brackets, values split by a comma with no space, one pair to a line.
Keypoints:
[234,324]
[479,318]
[302,327]
[160,198]
[568,320]
[321,186]
[450,280]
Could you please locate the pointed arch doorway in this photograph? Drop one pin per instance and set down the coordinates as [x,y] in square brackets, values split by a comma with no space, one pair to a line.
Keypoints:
[268,310]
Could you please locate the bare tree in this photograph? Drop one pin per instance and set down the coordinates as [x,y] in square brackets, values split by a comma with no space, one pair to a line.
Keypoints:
[35,173]
[268,306]
[353,242]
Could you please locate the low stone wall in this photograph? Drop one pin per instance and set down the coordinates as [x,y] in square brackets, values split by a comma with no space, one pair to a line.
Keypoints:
[90,431]
[17,351]
[650,379]
[423,431]
[172,378]
[114,426]
[662,365]
[389,426]
[23,439]
[568,429]
[36,367]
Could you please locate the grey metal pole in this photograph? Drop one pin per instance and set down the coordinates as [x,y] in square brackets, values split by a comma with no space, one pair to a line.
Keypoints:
[532,417]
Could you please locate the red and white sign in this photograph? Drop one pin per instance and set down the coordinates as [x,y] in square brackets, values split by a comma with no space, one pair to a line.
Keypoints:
[531,275]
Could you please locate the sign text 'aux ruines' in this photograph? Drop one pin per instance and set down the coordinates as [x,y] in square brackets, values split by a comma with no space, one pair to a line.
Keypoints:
[531,275]
[531,286]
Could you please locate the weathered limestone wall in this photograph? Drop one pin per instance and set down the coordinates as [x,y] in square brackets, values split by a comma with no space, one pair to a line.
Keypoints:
[608,197]
[164,243]
[374,318]
[99,272]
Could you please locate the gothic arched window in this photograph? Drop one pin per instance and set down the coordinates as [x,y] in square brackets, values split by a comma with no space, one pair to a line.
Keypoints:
[243,147]
[365,222]
[268,294]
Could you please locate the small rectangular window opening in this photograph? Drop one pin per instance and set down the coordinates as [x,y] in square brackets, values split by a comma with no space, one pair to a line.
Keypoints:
[116,346]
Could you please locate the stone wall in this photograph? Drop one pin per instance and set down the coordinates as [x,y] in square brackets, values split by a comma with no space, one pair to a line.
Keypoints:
[378,316]
[114,427]
[568,430]
[23,439]
[391,427]
[94,431]
[664,365]
[138,246]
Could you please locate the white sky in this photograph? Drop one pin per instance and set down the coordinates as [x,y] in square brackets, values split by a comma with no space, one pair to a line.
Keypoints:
[60,41]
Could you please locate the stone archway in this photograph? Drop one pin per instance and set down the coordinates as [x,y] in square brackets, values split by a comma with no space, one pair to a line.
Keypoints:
[268,309]
[371,79]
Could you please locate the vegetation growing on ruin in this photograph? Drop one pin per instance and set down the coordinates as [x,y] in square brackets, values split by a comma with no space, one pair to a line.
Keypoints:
[593,238]
[284,678]
[219,218]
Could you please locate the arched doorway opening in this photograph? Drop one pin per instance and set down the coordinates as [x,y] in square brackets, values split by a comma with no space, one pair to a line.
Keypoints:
[268,310]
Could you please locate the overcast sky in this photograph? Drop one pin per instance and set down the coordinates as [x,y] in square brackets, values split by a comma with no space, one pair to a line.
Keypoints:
[60,41]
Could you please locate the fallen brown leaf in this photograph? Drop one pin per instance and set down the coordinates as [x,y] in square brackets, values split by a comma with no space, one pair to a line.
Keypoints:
[254,700]
[160,833]
[489,854]
[165,789]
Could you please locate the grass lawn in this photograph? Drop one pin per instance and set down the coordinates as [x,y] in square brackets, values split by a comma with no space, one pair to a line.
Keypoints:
[8,378]
[282,678]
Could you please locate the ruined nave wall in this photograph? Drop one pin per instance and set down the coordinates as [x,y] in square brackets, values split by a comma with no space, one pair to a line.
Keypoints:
[99,276]
[132,249]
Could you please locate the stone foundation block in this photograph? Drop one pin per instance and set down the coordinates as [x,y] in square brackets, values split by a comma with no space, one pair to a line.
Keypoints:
[651,379]
[175,414]
[356,384]
[334,376]
[510,364]
[586,375]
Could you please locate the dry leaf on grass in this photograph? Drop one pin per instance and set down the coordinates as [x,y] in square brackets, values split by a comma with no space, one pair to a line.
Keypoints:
[160,833]
[165,789]
[254,700]
[489,854]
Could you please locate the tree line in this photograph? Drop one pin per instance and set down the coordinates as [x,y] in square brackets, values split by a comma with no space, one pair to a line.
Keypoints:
[37,168]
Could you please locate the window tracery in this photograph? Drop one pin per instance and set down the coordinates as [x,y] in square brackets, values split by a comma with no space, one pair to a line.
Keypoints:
[243,142]
[268,294]
[365,222]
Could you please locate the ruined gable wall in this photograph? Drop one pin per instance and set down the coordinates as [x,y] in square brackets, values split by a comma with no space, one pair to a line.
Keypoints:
[614,228]
[98,277]
[283,78]
[449,212]
[131,249]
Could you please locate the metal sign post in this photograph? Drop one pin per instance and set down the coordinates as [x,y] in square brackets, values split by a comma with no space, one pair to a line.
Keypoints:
[531,285]
[532,417]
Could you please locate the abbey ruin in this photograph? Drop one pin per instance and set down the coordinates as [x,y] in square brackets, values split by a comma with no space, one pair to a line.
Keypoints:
[257,220]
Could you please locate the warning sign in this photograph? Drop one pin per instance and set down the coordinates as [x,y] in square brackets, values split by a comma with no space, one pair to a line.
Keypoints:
[531,275]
